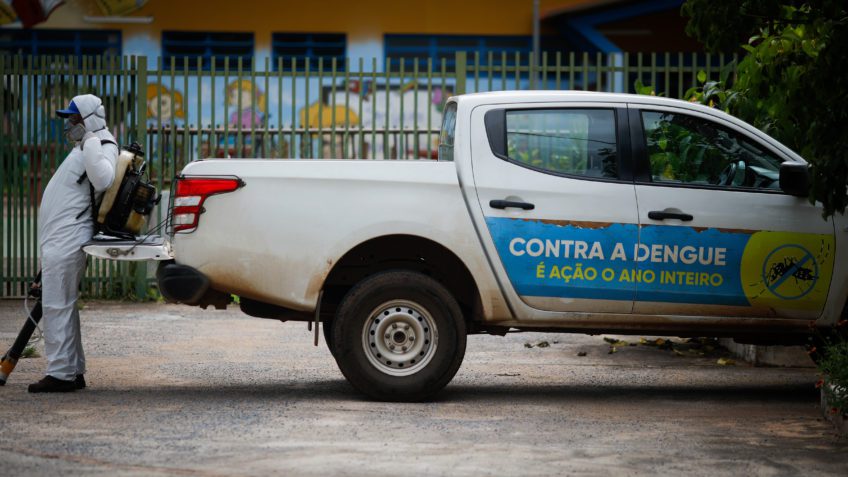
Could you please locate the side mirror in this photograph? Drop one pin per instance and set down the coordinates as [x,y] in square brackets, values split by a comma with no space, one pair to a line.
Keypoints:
[795,179]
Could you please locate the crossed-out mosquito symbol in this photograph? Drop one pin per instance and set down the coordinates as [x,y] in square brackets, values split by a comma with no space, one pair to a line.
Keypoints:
[797,264]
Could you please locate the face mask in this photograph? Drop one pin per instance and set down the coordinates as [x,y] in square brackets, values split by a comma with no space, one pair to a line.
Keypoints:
[74,132]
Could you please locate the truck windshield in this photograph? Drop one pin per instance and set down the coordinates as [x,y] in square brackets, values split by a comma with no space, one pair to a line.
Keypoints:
[447,135]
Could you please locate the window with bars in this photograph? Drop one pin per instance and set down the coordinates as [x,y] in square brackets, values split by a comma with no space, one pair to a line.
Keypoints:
[221,48]
[311,48]
[60,42]
[419,48]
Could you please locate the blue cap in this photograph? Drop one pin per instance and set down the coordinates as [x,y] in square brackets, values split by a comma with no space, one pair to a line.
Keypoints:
[72,109]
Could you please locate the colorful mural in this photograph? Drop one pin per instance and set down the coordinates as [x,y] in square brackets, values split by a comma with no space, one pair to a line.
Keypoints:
[164,105]
[119,7]
[410,114]
[239,118]
[247,103]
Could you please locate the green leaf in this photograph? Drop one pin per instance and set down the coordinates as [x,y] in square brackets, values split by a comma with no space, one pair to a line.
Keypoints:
[726,71]
[808,46]
[702,76]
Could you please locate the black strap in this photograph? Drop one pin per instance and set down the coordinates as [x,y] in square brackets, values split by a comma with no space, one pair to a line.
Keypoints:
[91,205]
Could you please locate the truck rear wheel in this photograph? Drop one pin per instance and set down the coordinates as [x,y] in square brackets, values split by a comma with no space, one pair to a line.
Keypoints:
[399,336]
[327,328]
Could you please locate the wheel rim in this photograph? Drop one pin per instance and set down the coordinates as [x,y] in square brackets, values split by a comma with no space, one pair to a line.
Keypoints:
[400,338]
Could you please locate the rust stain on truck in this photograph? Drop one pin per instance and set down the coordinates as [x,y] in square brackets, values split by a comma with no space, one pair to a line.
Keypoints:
[572,223]
[316,281]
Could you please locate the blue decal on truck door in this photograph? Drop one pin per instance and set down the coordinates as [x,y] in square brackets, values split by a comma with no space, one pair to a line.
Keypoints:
[669,264]
[691,265]
[586,260]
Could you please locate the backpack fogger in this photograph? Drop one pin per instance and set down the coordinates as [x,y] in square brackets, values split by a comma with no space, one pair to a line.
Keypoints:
[124,207]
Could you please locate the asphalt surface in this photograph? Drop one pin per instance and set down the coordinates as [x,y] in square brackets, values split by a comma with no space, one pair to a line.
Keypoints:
[175,390]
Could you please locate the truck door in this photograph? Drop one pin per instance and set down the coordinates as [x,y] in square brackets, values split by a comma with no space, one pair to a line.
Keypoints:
[717,235]
[557,203]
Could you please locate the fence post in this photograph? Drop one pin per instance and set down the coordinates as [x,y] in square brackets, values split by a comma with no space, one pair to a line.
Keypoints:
[461,70]
[4,140]
[141,138]
[141,100]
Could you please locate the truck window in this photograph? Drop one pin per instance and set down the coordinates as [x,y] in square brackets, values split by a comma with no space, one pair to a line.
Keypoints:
[448,133]
[686,149]
[567,141]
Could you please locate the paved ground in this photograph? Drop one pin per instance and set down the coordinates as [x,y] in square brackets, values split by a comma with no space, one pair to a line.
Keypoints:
[179,391]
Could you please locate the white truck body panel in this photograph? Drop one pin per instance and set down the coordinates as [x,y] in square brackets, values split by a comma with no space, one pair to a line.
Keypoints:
[276,239]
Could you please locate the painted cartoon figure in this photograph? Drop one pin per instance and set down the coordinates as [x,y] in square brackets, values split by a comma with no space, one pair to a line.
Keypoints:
[328,145]
[165,109]
[160,105]
[252,112]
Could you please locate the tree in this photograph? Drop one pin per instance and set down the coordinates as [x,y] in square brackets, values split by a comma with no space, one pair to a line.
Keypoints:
[792,81]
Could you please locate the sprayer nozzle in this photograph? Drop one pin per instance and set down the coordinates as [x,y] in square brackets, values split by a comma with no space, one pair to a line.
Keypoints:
[7,365]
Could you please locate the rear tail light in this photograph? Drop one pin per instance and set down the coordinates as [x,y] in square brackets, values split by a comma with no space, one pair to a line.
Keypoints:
[190,194]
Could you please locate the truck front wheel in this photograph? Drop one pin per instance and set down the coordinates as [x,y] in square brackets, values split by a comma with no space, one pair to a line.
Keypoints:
[399,336]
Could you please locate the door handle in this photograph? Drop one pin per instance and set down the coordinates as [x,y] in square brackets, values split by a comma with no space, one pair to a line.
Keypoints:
[662,215]
[503,204]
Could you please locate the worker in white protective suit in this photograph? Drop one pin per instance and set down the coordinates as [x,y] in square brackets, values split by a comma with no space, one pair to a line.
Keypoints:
[65,223]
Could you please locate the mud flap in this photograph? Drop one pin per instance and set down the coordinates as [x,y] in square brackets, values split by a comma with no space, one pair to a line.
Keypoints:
[144,248]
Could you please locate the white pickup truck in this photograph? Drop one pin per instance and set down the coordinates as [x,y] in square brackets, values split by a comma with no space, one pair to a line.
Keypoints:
[555,211]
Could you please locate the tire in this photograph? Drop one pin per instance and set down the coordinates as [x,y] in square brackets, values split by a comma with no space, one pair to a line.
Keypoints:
[399,336]
[327,329]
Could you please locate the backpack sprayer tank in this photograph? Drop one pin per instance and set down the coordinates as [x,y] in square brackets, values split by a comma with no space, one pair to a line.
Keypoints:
[128,202]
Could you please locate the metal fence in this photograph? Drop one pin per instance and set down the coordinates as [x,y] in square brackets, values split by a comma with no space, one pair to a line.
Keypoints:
[286,108]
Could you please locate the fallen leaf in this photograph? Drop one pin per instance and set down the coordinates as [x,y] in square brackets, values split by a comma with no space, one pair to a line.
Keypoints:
[581,353]
[725,362]
[542,344]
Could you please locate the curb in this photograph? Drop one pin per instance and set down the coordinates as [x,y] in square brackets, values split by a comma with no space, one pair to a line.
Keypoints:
[785,356]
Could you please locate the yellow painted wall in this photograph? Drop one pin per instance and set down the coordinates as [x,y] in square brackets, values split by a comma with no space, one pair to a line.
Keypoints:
[362,20]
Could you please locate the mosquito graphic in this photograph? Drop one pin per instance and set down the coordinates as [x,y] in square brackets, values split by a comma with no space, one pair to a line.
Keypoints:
[789,265]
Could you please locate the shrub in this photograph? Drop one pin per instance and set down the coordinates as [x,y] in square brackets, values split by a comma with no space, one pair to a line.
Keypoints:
[834,370]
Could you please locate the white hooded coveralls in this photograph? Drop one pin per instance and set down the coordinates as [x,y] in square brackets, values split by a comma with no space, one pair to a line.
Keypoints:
[63,231]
